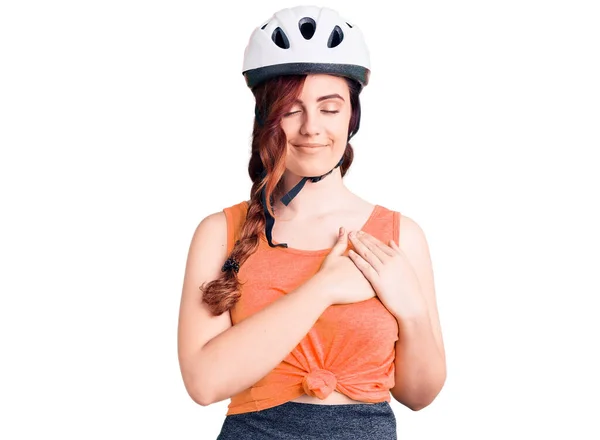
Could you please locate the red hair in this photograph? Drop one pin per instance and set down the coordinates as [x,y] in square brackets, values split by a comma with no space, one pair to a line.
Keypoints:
[273,99]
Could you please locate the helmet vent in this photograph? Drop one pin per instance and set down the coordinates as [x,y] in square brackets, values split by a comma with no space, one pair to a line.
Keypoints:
[264,26]
[307,27]
[349,25]
[280,39]
[336,37]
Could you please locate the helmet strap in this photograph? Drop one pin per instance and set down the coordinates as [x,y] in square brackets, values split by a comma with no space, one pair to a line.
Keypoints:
[259,118]
[286,199]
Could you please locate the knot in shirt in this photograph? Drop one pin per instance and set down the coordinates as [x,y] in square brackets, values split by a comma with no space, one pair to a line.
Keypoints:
[319,383]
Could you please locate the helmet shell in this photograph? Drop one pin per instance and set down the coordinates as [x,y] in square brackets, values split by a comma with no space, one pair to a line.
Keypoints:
[303,40]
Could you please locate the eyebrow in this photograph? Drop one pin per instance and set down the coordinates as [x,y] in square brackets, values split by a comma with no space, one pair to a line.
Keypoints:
[323,98]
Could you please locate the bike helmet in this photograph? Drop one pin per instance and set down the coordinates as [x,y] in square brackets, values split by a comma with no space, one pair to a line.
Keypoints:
[304,40]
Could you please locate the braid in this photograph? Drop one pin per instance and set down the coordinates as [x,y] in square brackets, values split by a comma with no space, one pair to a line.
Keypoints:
[222,294]
[274,97]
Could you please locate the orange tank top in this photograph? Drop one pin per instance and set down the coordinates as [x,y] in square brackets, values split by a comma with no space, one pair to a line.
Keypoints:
[350,348]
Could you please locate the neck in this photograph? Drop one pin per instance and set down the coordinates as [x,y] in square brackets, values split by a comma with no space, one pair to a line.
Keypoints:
[314,199]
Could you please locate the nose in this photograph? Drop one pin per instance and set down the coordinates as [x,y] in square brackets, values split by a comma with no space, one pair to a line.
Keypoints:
[310,124]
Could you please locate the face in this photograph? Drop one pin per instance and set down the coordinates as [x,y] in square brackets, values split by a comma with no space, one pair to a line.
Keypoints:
[316,127]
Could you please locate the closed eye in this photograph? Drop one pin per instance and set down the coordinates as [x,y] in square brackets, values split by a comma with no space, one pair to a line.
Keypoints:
[324,111]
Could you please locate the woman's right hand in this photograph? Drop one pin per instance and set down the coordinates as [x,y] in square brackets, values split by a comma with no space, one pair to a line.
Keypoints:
[340,278]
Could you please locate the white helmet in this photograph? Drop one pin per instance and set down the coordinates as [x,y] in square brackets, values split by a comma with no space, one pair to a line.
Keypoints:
[306,39]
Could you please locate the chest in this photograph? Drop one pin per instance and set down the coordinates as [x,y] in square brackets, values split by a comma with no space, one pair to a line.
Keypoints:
[318,233]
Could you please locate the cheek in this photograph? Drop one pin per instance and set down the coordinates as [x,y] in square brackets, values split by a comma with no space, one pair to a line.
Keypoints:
[286,127]
[340,128]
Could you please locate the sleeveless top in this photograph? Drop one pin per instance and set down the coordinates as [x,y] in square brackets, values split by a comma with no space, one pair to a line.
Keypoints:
[350,348]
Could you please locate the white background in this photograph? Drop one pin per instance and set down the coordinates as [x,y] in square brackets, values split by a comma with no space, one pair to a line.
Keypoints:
[124,123]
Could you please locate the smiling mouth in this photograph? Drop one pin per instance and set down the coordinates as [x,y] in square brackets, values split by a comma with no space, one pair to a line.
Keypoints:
[310,146]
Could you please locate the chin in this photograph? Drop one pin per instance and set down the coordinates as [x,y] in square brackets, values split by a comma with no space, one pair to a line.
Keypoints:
[307,171]
[313,164]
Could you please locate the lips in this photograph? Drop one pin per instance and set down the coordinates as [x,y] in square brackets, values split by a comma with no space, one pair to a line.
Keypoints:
[310,145]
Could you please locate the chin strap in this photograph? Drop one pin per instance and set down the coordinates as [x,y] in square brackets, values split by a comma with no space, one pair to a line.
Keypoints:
[286,199]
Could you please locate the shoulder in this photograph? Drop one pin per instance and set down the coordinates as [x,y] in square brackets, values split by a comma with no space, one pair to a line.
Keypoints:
[217,225]
[413,244]
[211,231]
[213,222]
[408,233]
[217,231]
[410,228]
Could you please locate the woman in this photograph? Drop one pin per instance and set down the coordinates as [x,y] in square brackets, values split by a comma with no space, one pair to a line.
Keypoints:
[314,304]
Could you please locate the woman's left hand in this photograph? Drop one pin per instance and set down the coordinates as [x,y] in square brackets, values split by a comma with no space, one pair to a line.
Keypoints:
[388,270]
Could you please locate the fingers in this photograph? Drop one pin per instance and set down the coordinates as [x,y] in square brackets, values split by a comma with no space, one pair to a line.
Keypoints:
[365,267]
[341,244]
[370,249]
[387,250]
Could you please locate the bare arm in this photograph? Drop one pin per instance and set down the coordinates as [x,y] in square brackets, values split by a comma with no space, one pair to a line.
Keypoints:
[420,356]
[420,369]
[248,351]
[218,360]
